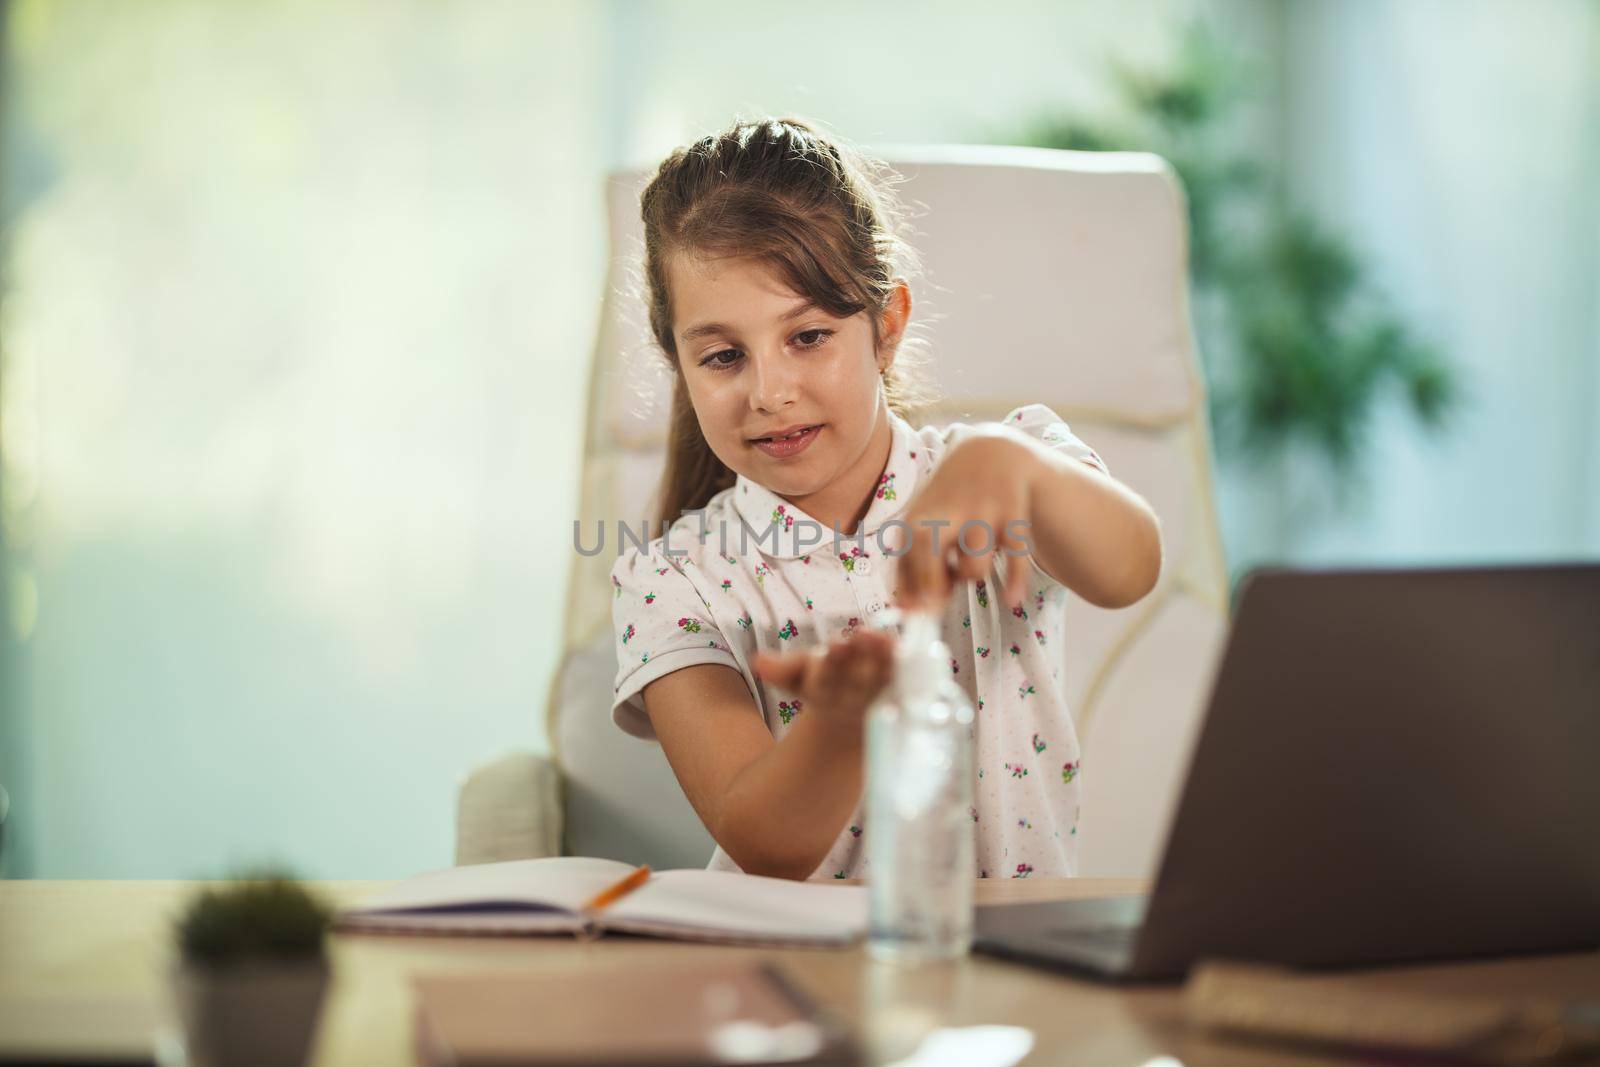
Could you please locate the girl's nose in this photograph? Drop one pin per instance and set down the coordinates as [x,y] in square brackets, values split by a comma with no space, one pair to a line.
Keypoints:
[773,383]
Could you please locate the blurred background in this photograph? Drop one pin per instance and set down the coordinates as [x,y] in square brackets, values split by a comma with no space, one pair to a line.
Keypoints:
[298,298]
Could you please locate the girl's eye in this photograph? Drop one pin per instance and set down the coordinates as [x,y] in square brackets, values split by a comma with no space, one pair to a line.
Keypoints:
[714,359]
[717,360]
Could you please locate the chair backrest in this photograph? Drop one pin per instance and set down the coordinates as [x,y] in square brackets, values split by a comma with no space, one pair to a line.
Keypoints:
[1067,270]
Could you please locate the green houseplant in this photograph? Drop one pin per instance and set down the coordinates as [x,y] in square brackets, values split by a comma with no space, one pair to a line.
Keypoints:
[1300,347]
[251,972]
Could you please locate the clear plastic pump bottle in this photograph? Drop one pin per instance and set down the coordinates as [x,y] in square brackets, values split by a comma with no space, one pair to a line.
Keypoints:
[920,832]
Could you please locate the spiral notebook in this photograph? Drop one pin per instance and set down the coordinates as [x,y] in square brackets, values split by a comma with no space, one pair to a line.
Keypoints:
[547,896]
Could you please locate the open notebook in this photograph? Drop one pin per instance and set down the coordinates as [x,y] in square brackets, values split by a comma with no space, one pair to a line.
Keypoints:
[546,896]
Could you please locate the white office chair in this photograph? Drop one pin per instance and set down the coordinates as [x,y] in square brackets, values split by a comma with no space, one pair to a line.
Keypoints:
[1063,271]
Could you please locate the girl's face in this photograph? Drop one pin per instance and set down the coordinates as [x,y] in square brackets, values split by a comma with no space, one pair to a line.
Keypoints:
[759,363]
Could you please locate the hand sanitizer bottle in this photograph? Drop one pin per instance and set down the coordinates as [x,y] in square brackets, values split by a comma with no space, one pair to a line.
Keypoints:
[920,832]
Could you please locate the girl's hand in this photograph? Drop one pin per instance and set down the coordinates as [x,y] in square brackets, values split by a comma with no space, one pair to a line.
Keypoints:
[837,684]
[986,480]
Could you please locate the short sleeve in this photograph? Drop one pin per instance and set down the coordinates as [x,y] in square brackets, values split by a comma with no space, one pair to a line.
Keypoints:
[660,624]
[1039,422]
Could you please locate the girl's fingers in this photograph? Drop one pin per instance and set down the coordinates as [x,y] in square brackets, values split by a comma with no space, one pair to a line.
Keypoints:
[875,650]
[974,556]
[859,671]
[880,665]
[772,669]
[847,673]
[838,653]
[872,665]
[1016,579]
[929,567]
[1017,567]
[909,578]
[788,670]
[908,584]
[936,568]
[894,540]
[1004,543]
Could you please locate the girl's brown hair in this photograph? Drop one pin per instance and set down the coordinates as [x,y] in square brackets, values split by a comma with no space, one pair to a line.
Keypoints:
[822,216]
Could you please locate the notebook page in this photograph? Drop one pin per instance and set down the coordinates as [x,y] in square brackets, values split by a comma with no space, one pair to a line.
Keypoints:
[555,883]
[728,906]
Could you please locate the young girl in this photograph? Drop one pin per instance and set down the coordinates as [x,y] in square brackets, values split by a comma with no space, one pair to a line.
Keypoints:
[777,291]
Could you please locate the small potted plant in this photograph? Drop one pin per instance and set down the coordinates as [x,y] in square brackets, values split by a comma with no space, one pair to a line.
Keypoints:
[251,972]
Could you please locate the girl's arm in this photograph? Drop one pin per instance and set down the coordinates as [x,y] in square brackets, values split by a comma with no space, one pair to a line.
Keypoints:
[1086,529]
[776,809]
[1090,532]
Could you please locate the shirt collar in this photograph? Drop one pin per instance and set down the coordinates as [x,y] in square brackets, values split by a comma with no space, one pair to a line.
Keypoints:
[782,530]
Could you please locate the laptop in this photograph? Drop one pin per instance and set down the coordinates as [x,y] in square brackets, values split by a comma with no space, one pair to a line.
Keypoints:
[1395,765]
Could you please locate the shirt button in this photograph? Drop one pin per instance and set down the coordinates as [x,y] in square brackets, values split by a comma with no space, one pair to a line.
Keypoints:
[874,607]
[863,566]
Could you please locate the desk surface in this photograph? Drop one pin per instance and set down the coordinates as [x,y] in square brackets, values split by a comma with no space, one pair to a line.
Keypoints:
[109,941]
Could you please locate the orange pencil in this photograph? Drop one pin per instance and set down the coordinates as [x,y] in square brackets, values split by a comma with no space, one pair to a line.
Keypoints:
[614,893]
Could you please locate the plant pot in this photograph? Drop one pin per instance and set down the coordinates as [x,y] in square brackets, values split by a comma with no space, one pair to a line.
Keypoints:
[247,1014]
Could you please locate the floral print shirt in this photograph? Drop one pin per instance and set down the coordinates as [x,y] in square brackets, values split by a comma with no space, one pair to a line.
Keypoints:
[697,595]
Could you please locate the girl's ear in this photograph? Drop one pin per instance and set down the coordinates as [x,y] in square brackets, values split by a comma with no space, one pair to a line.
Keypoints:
[895,317]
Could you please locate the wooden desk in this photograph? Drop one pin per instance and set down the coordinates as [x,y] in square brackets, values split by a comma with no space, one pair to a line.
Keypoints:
[111,939]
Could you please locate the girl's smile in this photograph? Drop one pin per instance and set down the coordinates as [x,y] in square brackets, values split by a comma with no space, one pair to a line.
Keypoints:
[787,443]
